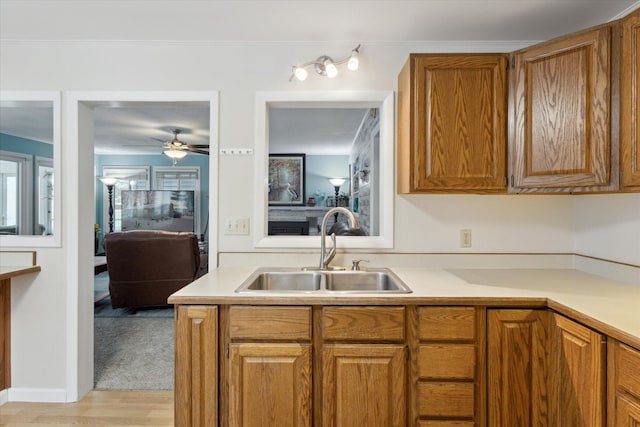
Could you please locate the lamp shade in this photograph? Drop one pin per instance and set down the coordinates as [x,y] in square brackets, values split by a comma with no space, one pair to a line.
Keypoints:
[337,182]
[108,180]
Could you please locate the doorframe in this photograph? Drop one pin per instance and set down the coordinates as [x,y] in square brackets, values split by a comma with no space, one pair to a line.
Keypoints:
[78,186]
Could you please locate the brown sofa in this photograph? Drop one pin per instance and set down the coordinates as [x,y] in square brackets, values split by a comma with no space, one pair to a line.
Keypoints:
[145,267]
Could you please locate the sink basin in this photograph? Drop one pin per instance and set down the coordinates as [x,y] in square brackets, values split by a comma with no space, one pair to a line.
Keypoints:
[364,281]
[287,281]
[266,280]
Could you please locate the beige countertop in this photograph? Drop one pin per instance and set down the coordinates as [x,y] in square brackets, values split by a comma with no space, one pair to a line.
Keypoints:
[608,306]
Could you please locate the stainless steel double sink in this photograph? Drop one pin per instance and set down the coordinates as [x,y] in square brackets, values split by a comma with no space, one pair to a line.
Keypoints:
[375,280]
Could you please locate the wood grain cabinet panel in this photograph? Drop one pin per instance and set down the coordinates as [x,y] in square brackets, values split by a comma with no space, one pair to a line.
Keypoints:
[447,362]
[443,399]
[544,369]
[623,376]
[562,114]
[270,323]
[368,324]
[363,385]
[578,372]
[452,123]
[196,366]
[451,387]
[518,368]
[270,385]
[447,323]
[629,107]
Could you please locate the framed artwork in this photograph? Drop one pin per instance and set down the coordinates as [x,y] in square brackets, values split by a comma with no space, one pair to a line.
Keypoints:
[286,179]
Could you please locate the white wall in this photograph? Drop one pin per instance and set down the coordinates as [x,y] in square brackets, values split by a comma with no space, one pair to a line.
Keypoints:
[608,226]
[423,223]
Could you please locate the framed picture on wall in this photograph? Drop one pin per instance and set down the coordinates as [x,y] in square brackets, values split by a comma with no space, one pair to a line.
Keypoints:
[286,179]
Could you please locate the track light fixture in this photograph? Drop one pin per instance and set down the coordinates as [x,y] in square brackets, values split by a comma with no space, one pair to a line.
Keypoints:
[326,66]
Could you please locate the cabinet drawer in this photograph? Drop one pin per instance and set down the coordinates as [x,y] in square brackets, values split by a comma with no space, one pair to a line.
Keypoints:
[628,365]
[273,323]
[363,323]
[447,323]
[445,423]
[447,361]
[446,400]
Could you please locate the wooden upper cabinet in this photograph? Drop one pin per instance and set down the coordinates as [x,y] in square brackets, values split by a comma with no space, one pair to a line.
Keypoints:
[561,100]
[452,123]
[629,111]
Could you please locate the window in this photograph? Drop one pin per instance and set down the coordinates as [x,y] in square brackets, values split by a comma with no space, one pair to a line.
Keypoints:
[180,178]
[129,178]
[45,197]
[15,185]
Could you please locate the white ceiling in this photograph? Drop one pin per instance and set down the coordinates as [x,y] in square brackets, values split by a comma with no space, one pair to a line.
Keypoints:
[27,119]
[302,20]
[142,128]
[138,127]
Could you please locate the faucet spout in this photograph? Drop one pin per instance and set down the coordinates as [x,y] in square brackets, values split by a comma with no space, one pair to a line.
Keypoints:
[325,258]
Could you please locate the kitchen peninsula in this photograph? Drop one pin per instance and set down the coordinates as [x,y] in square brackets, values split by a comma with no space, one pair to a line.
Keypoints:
[450,351]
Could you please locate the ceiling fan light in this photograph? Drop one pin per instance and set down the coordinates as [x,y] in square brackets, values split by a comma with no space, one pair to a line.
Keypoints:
[175,154]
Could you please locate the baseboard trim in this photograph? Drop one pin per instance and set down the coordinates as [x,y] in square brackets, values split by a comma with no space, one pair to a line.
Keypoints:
[43,395]
[4,396]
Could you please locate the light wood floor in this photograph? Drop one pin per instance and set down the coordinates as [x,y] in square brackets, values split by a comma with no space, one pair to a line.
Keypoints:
[98,408]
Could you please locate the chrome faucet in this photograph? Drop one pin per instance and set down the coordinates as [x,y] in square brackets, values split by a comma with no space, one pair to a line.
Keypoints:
[325,258]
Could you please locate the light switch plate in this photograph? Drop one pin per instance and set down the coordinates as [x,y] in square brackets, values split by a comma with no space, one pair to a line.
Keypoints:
[237,226]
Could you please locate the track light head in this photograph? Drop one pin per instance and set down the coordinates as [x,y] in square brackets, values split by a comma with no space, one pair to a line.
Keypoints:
[326,66]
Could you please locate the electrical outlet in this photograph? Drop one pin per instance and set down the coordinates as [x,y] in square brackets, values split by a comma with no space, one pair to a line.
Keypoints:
[465,238]
[237,226]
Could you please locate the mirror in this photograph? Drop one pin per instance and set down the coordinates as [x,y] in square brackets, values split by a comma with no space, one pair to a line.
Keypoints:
[29,167]
[304,139]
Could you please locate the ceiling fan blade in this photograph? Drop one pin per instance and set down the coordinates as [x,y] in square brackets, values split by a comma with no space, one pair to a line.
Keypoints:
[199,146]
[195,150]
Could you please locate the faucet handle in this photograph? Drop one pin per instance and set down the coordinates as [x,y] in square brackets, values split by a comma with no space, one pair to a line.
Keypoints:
[355,264]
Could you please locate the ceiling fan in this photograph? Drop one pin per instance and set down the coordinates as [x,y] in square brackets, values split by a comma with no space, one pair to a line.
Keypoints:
[177,149]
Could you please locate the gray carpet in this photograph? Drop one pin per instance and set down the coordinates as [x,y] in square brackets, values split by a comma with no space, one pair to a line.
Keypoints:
[133,349]
[133,353]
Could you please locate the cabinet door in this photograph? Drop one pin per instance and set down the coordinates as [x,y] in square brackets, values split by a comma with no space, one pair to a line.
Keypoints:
[518,368]
[363,385]
[629,108]
[452,126]
[578,365]
[562,114]
[270,385]
[623,373]
[196,366]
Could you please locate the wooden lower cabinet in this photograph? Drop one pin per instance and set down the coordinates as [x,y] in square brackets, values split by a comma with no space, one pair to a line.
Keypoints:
[270,384]
[623,373]
[578,372]
[363,385]
[429,366]
[544,370]
[450,369]
[196,366]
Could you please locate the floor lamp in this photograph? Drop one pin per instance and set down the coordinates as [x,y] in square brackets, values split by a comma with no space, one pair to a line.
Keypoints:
[337,182]
[109,182]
